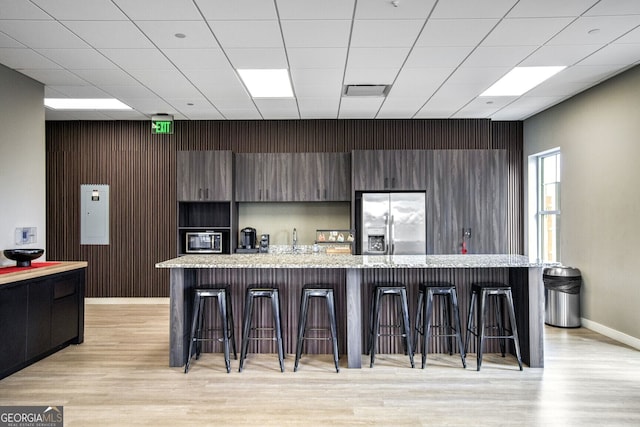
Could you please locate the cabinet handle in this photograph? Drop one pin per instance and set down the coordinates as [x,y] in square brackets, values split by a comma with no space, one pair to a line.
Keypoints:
[199,193]
[260,194]
[325,193]
[206,192]
[393,182]
[386,183]
[317,193]
[266,194]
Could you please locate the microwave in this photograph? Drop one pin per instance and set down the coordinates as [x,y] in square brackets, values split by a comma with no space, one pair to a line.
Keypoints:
[204,242]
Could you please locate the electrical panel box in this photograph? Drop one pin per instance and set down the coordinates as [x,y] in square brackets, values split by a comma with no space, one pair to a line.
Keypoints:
[94,215]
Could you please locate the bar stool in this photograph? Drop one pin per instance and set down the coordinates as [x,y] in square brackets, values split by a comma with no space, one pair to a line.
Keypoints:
[317,291]
[200,295]
[251,295]
[447,294]
[399,292]
[481,294]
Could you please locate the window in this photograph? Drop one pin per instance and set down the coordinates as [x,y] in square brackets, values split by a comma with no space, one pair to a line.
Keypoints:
[548,206]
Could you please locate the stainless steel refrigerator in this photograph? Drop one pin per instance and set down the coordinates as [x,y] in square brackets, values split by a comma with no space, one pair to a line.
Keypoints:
[393,224]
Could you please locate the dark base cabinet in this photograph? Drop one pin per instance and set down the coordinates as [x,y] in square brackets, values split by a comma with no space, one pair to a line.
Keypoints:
[39,317]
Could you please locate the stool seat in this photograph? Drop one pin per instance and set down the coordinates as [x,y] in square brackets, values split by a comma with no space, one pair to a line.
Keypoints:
[251,295]
[317,291]
[222,294]
[399,292]
[481,295]
[446,292]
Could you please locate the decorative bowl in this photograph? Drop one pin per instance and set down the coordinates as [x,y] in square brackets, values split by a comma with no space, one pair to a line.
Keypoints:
[23,257]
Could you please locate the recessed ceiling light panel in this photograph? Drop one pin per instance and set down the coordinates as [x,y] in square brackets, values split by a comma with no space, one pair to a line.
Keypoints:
[263,83]
[85,104]
[520,80]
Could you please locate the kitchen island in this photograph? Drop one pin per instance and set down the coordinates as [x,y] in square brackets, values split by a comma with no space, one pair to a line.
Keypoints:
[355,274]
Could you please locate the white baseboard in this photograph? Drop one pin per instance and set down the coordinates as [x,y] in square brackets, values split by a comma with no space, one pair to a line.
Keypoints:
[126,301]
[611,333]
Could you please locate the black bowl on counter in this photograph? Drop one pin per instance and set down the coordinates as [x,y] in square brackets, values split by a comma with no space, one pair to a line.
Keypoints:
[23,257]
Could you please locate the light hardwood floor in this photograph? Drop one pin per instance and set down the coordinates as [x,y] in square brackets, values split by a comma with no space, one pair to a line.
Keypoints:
[120,377]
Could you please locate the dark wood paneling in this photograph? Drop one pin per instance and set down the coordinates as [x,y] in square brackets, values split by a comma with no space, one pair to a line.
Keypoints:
[140,169]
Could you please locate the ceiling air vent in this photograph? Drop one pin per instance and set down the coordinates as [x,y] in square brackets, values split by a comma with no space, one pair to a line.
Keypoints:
[366,90]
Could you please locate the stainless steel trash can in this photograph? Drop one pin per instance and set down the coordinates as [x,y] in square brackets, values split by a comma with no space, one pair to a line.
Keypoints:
[562,296]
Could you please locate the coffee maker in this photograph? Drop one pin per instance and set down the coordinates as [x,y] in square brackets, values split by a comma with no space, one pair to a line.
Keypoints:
[247,243]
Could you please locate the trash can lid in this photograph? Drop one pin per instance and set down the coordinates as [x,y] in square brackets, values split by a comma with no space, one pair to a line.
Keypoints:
[561,271]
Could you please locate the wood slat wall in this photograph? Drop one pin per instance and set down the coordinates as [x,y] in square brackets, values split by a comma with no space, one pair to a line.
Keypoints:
[140,169]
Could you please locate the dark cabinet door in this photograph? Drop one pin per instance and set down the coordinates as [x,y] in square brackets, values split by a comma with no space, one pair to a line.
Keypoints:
[248,178]
[204,175]
[468,193]
[65,309]
[264,177]
[389,170]
[321,177]
[39,323]
[13,326]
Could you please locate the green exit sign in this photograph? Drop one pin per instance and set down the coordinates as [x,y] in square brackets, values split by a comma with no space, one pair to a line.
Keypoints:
[162,125]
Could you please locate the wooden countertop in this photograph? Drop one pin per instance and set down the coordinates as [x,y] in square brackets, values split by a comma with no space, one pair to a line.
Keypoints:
[32,273]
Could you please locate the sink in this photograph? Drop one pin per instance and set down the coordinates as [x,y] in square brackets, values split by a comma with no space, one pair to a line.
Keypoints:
[23,257]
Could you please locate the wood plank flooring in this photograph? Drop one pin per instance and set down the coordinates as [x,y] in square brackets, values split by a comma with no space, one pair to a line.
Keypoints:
[120,377]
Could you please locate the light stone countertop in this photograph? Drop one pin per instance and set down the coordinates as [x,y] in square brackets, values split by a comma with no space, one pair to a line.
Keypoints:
[305,260]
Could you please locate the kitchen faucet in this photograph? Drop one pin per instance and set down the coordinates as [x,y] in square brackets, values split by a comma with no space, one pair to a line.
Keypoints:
[294,246]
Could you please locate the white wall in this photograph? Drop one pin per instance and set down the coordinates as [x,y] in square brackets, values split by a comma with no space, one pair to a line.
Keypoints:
[598,133]
[22,159]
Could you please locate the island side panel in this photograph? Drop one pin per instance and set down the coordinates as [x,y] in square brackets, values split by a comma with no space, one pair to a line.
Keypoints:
[182,281]
[536,317]
[354,318]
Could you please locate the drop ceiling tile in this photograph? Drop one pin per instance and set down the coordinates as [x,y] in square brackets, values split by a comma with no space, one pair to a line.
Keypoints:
[81,10]
[218,83]
[312,9]
[587,74]
[241,114]
[359,107]
[477,76]
[18,9]
[525,31]
[526,107]
[237,10]
[247,34]
[54,77]
[437,56]
[80,91]
[419,82]
[109,34]
[235,103]
[125,115]
[197,59]
[609,28]
[317,57]
[75,115]
[455,32]
[258,58]
[554,87]
[25,58]
[41,34]
[6,41]
[472,8]
[126,92]
[387,57]
[163,34]
[374,76]
[153,10]
[615,7]
[322,107]
[395,107]
[78,58]
[498,56]
[614,54]
[632,36]
[308,33]
[166,83]
[379,33]
[550,8]
[138,59]
[317,83]
[558,55]
[150,106]
[406,9]
[277,109]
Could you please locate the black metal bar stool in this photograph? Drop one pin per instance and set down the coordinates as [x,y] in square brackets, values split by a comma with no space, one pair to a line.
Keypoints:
[317,291]
[274,296]
[399,292]
[447,294]
[481,294]
[200,296]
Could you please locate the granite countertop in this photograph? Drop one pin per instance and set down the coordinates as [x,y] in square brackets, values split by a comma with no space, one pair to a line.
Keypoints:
[304,260]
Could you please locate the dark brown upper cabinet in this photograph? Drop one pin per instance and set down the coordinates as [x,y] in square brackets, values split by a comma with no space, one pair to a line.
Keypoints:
[264,177]
[204,175]
[389,170]
[321,177]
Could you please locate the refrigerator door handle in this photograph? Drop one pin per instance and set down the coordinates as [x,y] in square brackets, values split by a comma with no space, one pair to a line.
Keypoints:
[391,236]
